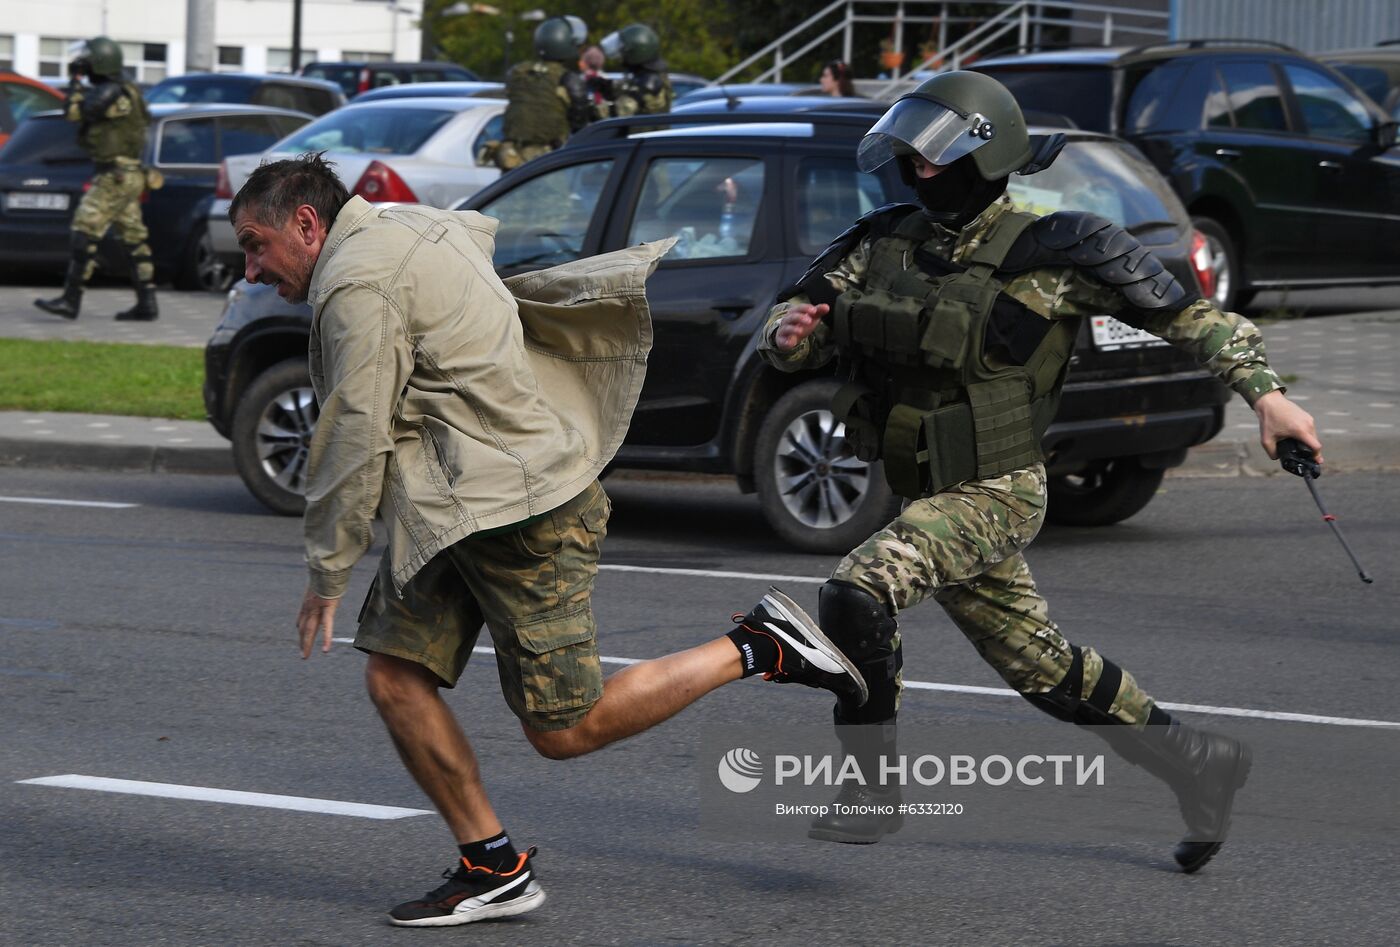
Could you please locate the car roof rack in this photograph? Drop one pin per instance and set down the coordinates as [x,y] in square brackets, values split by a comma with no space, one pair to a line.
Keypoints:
[1030,48]
[614,128]
[1204,43]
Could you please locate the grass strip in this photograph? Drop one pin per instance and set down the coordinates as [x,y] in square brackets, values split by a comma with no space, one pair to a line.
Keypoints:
[156,381]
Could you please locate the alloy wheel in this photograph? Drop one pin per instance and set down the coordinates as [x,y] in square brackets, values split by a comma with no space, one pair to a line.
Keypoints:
[284,437]
[819,478]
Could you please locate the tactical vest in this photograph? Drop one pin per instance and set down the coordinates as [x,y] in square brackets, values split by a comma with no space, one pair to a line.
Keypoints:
[535,112]
[634,98]
[112,138]
[927,392]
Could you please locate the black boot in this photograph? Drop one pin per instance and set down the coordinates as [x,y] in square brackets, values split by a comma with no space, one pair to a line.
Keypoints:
[145,309]
[1204,769]
[863,814]
[68,304]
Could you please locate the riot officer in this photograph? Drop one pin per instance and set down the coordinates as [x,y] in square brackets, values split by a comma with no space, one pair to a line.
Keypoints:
[112,121]
[547,98]
[645,88]
[956,318]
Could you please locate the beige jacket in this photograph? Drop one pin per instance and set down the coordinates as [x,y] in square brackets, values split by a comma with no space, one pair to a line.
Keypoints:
[452,402]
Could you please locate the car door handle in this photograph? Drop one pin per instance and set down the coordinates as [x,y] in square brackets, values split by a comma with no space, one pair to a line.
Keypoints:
[732,308]
[1330,165]
[1229,154]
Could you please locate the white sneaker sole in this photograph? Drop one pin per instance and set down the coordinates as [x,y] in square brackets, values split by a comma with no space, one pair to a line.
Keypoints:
[531,899]
[832,660]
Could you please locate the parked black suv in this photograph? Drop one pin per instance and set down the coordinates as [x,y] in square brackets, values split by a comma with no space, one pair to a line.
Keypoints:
[752,200]
[1285,166]
[356,77]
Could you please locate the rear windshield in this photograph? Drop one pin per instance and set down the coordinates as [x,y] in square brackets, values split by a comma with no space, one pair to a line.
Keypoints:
[347,77]
[390,129]
[40,139]
[1084,95]
[1108,178]
[235,91]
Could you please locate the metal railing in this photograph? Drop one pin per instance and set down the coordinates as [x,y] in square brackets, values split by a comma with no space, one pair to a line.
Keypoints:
[1025,18]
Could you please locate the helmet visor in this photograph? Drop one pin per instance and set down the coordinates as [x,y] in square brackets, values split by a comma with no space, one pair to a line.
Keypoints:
[916,125]
[578,30]
[611,45]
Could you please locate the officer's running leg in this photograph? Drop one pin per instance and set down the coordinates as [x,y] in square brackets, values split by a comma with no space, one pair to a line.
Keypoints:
[94,215]
[131,230]
[1006,619]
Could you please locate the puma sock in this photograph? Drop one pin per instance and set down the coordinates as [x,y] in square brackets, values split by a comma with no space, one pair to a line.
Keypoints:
[495,853]
[758,651]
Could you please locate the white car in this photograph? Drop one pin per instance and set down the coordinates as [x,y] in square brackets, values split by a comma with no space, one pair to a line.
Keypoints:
[403,151]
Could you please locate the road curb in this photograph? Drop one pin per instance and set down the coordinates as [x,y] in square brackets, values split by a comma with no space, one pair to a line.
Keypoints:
[32,452]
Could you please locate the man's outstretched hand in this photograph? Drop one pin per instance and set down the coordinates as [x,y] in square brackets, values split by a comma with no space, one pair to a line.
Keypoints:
[797,323]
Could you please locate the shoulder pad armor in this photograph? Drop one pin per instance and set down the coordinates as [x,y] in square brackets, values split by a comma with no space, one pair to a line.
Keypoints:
[1107,251]
[879,222]
[100,98]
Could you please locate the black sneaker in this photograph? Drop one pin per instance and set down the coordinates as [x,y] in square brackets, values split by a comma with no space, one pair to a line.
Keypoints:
[473,893]
[805,655]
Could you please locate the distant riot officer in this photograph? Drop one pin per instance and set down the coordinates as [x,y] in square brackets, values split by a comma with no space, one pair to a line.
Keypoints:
[112,119]
[645,88]
[955,319]
[547,98]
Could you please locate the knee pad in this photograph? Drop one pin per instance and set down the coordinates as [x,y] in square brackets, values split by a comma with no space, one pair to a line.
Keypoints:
[1067,701]
[856,622]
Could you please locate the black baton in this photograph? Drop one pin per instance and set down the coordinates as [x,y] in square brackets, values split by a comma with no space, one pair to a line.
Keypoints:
[1298,459]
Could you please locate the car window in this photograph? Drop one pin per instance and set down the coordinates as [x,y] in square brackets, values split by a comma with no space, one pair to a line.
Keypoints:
[492,132]
[831,192]
[1156,103]
[25,101]
[277,95]
[347,77]
[318,101]
[1215,112]
[544,220]
[709,204]
[1108,178]
[43,140]
[189,141]
[1329,110]
[286,124]
[1254,96]
[234,91]
[246,134]
[1082,95]
[375,129]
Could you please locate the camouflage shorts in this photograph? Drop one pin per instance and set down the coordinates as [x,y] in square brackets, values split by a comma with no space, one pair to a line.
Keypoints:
[532,587]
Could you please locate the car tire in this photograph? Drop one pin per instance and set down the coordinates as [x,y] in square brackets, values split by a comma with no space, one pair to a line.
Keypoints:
[272,429]
[1225,261]
[201,269]
[1106,492]
[812,489]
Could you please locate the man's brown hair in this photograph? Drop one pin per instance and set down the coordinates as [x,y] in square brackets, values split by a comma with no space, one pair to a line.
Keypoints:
[277,188]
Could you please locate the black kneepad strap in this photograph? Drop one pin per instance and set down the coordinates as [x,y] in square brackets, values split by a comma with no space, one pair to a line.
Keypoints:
[1065,700]
[857,622]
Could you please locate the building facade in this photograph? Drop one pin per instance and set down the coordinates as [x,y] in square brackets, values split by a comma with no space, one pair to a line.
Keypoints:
[250,35]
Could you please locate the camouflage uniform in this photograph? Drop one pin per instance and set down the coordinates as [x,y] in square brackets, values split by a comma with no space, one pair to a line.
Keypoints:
[642,91]
[114,200]
[963,546]
[547,102]
[531,584]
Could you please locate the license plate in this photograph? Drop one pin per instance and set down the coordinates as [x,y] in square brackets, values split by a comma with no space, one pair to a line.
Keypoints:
[35,200]
[1110,334]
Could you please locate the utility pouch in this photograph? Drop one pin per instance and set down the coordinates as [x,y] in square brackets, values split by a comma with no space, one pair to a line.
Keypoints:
[857,407]
[1002,425]
[948,334]
[880,323]
[948,432]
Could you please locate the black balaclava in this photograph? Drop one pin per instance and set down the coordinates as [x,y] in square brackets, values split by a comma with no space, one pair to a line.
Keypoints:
[955,196]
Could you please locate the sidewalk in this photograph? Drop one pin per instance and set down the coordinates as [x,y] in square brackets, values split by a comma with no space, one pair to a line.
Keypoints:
[1345,370]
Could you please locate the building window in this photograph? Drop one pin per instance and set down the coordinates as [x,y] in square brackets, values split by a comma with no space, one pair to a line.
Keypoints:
[230,59]
[352,56]
[280,60]
[7,52]
[54,55]
[144,62]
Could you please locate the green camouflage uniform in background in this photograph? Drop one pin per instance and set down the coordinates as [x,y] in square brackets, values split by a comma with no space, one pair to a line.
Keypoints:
[545,104]
[963,546]
[114,200]
[643,92]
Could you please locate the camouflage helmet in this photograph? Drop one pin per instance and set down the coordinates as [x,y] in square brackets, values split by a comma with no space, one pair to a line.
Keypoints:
[554,41]
[103,57]
[947,117]
[638,44]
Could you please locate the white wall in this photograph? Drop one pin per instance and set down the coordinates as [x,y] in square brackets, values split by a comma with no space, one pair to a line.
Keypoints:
[328,27]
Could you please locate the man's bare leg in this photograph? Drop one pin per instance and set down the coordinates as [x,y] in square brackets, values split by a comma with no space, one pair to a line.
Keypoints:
[432,745]
[641,696]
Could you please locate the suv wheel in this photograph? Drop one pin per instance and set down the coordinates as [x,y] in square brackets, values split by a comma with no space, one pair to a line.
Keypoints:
[272,430]
[201,268]
[1106,492]
[812,489]
[1225,263]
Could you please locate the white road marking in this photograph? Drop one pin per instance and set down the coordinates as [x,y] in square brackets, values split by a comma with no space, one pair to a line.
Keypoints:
[714,574]
[45,500]
[136,787]
[1008,692]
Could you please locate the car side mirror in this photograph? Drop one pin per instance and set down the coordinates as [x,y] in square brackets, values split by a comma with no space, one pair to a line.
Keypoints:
[1385,133]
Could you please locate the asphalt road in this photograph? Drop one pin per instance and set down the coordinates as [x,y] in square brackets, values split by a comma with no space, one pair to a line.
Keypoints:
[154,643]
